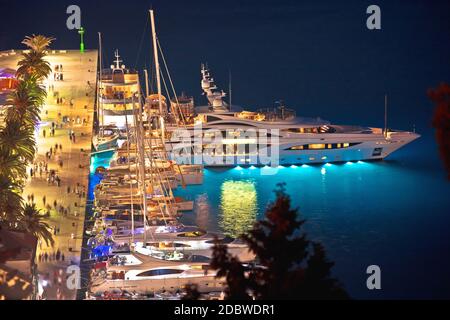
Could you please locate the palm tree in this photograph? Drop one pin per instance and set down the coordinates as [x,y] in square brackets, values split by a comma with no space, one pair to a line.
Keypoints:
[12,165]
[25,101]
[33,62]
[38,43]
[32,221]
[18,139]
[10,200]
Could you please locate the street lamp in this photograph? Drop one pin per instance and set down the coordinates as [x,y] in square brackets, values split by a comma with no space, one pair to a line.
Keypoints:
[81,33]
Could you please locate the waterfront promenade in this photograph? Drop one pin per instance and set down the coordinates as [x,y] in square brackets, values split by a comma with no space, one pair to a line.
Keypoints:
[58,180]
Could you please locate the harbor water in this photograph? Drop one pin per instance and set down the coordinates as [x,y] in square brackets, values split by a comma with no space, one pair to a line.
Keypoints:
[391,213]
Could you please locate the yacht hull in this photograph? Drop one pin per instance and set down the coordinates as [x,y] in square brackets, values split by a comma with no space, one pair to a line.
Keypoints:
[361,147]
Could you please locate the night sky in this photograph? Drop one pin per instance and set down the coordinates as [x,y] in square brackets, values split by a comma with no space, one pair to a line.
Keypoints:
[317,56]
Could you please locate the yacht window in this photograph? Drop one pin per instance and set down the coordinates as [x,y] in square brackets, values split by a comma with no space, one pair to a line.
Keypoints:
[212,118]
[233,124]
[377,151]
[316,146]
[192,234]
[296,148]
[224,240]
[199,258]
[321,146]
[159,272]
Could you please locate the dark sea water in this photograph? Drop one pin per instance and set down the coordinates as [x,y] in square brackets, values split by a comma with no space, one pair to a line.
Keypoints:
[392,213]
[319,57]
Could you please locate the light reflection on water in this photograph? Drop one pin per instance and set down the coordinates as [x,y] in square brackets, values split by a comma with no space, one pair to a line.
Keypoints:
[238,206]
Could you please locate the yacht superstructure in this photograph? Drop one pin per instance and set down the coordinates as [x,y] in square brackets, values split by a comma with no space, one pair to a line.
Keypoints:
[118,88]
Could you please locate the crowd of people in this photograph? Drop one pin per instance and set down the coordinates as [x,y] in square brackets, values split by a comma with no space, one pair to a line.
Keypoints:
[54,256]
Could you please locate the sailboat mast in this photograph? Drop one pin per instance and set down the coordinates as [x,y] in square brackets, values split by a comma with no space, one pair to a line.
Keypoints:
[155,53]
[99,108]
[158,74]
[146,83]
[229,89]
[385,115]
[140,145]
[129,168]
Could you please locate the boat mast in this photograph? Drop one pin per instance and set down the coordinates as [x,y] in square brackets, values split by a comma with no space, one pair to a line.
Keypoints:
[158,74]
[146,83]
[100,109]
[129,168]
[141,152]
[385,115]
[229,89]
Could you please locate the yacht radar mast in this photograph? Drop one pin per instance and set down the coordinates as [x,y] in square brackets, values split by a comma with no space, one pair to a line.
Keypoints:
[215,97]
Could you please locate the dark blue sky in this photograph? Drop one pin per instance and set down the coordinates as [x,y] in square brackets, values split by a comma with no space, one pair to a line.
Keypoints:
[318,56]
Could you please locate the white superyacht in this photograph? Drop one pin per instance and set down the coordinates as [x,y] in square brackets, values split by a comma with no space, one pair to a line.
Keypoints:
[220,135]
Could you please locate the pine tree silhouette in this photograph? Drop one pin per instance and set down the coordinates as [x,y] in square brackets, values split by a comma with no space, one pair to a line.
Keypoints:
[289,265]
[441,121]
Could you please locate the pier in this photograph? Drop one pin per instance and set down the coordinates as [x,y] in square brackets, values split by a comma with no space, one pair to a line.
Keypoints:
[61,189]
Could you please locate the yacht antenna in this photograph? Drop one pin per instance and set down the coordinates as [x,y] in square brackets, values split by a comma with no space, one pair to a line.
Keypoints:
[117,61]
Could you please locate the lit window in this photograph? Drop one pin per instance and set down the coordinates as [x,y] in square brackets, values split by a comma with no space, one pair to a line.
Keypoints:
[317,146]
[346,145]
[312,158]
[330,146]
[324,158]
[296,148]
[338,145]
